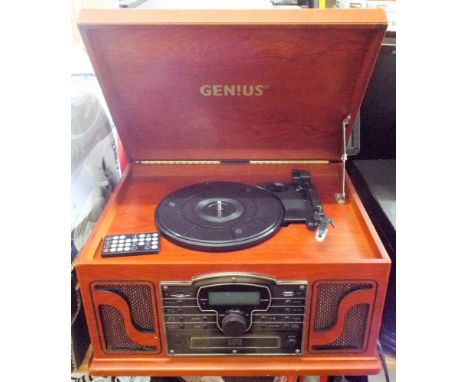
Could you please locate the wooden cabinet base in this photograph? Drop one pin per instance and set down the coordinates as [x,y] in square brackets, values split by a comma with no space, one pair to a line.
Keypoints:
[346,278]
[240,367]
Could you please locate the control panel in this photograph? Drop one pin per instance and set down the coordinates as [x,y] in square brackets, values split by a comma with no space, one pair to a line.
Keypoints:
[234,314]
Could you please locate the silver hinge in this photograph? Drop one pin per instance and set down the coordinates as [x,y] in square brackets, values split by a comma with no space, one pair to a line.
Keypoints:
[341,196]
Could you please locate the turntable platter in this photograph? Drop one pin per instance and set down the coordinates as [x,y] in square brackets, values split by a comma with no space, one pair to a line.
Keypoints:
[219,216]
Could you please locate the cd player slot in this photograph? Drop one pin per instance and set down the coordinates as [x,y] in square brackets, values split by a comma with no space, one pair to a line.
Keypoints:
[229,343]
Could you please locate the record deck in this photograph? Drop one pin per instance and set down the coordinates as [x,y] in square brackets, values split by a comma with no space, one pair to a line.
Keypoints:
[225,216]
[235,243]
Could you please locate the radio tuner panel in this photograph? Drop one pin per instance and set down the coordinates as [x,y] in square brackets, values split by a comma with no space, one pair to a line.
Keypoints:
[234,314]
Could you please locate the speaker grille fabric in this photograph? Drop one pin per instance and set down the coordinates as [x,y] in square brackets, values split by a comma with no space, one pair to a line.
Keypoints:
[354,330]
[114,332]
[328,300]
[138,298]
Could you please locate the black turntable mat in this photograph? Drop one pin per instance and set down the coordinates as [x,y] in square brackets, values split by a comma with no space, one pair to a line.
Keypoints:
[219,216]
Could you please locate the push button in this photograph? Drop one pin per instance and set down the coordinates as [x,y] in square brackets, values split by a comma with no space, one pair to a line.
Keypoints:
[294,301]
[297,301]
[199,326]
[174,327]
[177,291]
[234,341]
[296,318]
[273,326]
[174,319]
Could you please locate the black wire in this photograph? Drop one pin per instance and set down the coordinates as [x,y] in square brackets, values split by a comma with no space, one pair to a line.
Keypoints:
[384,362]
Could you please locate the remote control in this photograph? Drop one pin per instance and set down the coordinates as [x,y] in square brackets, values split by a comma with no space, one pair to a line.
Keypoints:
[130,244]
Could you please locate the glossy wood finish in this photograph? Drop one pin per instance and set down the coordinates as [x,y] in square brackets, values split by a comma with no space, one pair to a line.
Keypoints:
[103,297]
[314,66]
[149,184]
[355,17]
[352,251]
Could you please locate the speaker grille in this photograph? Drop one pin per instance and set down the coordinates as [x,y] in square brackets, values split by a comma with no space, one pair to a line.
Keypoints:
[138,298]
[354,330]
[329,297]
[114,332]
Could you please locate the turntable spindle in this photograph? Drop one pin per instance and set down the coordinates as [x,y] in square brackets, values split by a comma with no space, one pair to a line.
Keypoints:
[219,208]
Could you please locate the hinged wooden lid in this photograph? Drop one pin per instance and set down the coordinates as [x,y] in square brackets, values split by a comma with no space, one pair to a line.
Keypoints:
[218,85]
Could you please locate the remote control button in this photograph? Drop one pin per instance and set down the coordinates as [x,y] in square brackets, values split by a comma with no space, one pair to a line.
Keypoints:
[105,250]
[127,240]
[122,237]
[141,242]
[142,235]
[134,239]
[154,247]
[113,250]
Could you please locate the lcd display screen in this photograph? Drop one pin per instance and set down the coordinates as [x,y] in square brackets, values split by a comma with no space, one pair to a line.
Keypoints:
[234,298]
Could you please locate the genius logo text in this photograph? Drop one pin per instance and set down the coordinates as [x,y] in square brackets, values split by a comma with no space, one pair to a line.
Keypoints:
[233,90]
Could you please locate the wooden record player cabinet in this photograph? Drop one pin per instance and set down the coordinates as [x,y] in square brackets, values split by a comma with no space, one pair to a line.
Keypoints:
[241,96]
